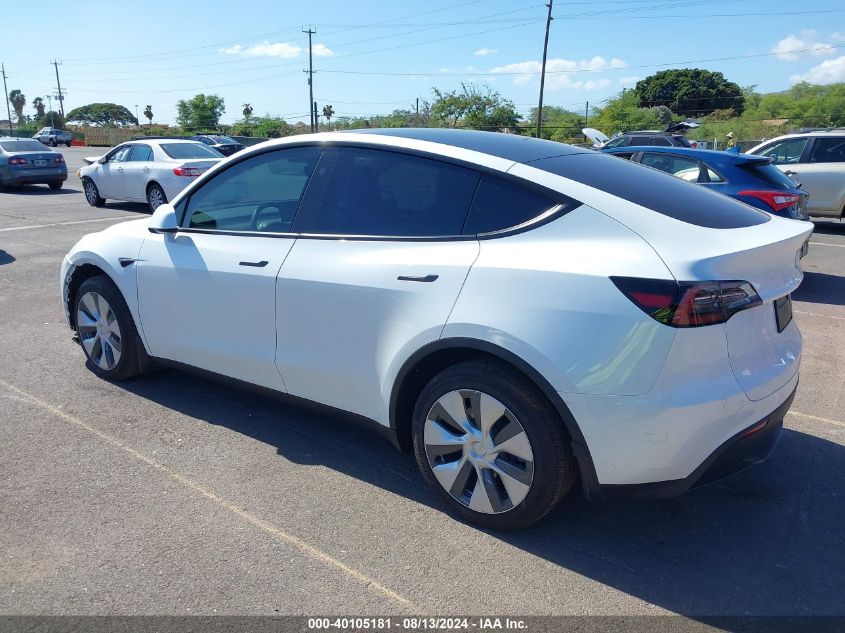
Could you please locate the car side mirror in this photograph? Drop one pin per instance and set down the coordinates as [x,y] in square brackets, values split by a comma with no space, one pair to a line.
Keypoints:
[102,160]
[163,220]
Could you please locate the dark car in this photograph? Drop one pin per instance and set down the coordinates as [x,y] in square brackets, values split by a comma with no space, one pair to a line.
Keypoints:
[25,161]
[223,144]
[647,137]
[752,179]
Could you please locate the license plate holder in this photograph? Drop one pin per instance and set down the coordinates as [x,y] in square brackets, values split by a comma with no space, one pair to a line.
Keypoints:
[783,312]
[40,162]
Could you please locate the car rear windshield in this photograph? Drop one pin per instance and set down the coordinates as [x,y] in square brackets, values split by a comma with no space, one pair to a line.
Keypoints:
[189,150]
[655,190]
[23,146]
[769,174]
[683,141]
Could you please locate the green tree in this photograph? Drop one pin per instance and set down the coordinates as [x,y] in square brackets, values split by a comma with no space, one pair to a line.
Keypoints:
[624,113]
[38,106]
[50,118]
[102,114]
[690,92]
[148,113]
[18,101]
[474,106]
[203,112]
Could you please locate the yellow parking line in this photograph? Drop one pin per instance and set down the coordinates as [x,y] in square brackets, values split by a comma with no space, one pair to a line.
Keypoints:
[261,524]
[826,316]
[816,418]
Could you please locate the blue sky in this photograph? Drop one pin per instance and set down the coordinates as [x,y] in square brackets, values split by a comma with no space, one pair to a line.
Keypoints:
[375,56]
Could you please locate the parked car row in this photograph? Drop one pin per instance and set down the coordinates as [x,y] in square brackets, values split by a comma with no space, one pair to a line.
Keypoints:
[519,313]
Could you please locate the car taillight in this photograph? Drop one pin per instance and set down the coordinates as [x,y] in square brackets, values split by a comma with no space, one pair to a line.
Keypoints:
[59,159]
[777,200]
[17,161]
[688,303]
[186,171]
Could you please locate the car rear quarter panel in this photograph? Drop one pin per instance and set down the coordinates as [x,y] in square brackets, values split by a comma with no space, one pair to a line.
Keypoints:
[545,295]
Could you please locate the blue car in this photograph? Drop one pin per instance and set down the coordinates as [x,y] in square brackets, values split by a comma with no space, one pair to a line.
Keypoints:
[752,179]
[25,161]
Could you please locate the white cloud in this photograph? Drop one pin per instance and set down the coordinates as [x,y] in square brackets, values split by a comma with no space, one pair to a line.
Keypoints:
[560,72]
[838,37]
[483,52]
[276,49]
[793,47]
[828,72]
[321,50]
[626,81]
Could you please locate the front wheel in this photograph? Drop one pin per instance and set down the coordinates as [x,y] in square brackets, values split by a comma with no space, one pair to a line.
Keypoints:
[106,330]
[69,143]
[92,194]
[491,445]
[52,142]
[55,186]
[155,196]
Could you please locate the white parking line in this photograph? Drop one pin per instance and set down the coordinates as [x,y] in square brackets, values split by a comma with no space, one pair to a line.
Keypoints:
[816,418]
[827,244]
[261,524]
[826,316]
[41,226]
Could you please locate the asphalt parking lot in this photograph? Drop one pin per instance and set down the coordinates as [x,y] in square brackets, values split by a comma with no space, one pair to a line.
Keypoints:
[170,494]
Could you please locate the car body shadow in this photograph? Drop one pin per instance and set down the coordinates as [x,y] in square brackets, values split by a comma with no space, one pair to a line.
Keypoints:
[828,227]
[134,207]
[38,190]
[821,288]
[5,258]
[767,541]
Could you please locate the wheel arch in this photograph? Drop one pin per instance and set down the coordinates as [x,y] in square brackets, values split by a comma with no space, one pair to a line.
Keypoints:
[75,278]
[426,362]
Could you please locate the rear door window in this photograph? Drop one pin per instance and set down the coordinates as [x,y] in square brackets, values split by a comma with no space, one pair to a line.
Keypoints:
[500,204]
[141,153]
[785,152]
[372,192]
[640,140]
[828,150]
[661,141]
[680,166]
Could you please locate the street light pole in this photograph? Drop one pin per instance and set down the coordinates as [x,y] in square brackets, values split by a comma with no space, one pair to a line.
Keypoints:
[6,98]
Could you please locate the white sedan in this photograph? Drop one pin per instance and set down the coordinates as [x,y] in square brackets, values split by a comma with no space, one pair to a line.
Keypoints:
[152,171]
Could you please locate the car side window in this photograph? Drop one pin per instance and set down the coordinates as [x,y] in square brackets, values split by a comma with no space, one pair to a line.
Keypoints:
[141,153]
[786,152]
[640,140]
[712,176]
[261,193]
[617,142]
[661,141]
[625,155]
[828,150]
[384,193]
[681,166]
[121,154]
[499,205]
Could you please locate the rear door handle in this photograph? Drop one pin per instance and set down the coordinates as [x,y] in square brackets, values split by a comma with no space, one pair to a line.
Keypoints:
[425,279]
[260,264]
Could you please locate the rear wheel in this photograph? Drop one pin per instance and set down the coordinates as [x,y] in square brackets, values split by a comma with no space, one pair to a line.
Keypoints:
[155,196]
[92,194]
[52,142]
[55,186]
[69,143]
[106,330]
[491,445]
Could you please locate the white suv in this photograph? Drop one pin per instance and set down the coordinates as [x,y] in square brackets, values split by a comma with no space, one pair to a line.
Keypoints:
[520,312]
[817,161]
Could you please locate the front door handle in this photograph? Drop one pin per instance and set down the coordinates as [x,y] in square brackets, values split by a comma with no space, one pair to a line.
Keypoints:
[425,279]
[260,264]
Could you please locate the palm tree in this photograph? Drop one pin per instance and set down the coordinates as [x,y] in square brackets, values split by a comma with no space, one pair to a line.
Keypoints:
[328,112]
[38,104]
[18,100]
[148,112]
[247,111]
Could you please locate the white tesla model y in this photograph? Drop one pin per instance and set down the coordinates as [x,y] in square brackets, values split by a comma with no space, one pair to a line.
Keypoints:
[520,313]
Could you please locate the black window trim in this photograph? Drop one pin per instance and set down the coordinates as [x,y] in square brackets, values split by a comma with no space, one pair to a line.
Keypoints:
[563,204]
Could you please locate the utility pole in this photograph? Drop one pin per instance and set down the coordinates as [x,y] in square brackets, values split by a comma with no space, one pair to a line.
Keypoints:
[59,85]
[6,98]
[417,117]
[543,71]
[310,72]
[587,114]
[316,118]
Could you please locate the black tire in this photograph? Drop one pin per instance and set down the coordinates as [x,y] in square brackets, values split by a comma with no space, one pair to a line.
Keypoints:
[53,142]
[128,364]
[92,194]
[69,143]
[554,466]
[153,190]
[55,186]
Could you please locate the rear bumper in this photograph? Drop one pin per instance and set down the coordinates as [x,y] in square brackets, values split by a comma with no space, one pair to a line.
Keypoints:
[750,446]
[38,178]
